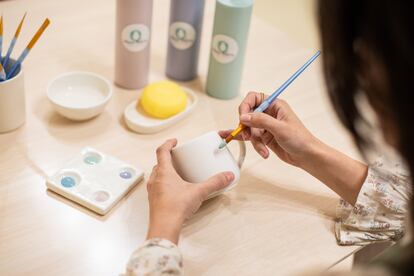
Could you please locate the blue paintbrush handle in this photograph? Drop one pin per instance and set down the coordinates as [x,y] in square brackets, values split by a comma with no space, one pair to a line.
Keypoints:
[2,74]
[9,51]
[264,105]
[1,47]
[17,63]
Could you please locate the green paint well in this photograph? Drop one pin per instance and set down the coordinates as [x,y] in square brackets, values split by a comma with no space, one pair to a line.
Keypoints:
[92,159]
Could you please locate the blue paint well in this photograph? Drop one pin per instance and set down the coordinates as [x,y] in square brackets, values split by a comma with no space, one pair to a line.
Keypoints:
[68,182]
[125,175]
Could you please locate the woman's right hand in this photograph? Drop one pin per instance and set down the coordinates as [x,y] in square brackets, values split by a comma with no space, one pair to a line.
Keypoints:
[277,129]
[280,130]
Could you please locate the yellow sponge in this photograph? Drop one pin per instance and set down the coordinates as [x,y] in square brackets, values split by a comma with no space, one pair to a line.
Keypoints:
[163,99]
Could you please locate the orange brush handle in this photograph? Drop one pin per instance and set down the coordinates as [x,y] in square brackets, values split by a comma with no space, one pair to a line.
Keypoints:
[1,25]
[19,28]
[38,34]
[235,132]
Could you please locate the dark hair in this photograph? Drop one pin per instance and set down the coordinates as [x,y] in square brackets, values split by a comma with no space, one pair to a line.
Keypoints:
[386,28]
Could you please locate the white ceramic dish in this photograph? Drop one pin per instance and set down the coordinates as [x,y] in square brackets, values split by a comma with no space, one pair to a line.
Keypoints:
[140,122]
[79,95]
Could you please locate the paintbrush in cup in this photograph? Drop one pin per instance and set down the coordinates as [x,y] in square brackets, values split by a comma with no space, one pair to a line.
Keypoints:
[2,73]
[29,47]
[1,37]
[13,42]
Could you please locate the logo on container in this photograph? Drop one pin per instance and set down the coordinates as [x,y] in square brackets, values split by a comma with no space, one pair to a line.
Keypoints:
[224,48]
[135,37]
[182,35]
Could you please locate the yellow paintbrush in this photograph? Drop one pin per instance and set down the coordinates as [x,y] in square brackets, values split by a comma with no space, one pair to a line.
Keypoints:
[1,37]
[13,42]
[29,46]
[2,73]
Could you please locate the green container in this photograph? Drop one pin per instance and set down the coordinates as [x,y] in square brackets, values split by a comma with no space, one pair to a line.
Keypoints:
[228,47]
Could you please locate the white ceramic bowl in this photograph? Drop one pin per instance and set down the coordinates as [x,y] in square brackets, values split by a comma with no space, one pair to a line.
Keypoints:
[79,95]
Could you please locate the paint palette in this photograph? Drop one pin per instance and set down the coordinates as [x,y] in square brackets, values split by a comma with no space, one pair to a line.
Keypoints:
[95,180]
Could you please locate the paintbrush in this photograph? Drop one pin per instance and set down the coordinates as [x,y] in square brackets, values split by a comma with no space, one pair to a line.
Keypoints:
[2,73]
[29,46]
[1,37]
[13,41]
[266,103]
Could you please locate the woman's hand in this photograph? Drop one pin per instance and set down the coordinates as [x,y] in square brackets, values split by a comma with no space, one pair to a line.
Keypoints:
[173,200]
[277,129]
[280,130]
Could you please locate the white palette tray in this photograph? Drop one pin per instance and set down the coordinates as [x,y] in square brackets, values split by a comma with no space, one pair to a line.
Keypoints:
[95,180]
[139,122]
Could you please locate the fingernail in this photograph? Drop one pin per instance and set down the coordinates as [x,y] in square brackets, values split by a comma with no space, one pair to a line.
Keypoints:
[229,176]
[245,117]
[263,153]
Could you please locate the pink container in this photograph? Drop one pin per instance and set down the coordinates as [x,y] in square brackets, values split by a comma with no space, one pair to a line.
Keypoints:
[132,46]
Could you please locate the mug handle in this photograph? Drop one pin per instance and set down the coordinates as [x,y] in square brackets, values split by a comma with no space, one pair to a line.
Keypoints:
[242,153]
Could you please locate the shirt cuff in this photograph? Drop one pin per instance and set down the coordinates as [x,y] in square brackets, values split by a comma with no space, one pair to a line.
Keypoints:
[156,257]
[380,210]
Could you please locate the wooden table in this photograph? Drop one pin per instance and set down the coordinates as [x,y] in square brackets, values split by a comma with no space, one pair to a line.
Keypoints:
[278,220]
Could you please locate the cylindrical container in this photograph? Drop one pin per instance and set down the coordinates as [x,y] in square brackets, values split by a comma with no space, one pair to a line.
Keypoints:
[230,31]
[12,101]
[184,34]
[132,47]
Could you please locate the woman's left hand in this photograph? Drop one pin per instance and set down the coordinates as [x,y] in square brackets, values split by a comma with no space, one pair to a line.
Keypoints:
[173,200]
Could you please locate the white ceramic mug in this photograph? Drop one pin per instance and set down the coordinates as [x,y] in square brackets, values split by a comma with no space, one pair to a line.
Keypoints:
[201,158]
[12,101]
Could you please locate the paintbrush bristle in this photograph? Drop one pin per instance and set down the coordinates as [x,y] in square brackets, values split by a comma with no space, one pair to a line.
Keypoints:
[19,28]
[223,144]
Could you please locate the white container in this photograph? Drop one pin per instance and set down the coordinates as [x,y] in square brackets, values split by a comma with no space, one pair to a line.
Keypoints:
[12,101]
[79,95]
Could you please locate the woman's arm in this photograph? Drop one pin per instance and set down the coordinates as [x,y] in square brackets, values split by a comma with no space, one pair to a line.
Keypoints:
[344,175]
[374,200]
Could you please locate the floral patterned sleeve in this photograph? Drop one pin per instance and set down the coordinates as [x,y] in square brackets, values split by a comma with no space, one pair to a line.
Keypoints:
[381,206]
[156,257]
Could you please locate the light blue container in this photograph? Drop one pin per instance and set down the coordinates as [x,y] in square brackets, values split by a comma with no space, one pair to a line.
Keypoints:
[228,47]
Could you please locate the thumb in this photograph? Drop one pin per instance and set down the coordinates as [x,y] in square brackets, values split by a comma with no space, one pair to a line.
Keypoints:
[215,183]
[260,120]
